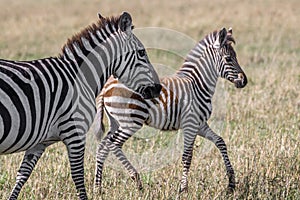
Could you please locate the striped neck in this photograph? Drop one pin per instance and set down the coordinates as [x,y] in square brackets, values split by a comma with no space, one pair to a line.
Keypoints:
[89,53]
[200,67]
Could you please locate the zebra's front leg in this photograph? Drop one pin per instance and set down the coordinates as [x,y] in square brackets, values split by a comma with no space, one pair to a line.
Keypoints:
[102,153]
[206,132]
[76,147]
[189,139]
[29,161]
[115,143]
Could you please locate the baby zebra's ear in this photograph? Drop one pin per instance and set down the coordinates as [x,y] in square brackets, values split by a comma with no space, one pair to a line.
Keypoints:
[229,31]
[229,37]
[221,39]
[125,22]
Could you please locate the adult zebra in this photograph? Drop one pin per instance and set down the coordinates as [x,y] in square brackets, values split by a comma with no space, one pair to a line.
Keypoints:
[184,103]
[53,99]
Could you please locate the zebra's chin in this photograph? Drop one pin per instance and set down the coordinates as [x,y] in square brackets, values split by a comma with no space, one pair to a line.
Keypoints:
[151,92]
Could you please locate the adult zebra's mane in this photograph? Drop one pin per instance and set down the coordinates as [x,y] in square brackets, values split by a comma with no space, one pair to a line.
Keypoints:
[112,22]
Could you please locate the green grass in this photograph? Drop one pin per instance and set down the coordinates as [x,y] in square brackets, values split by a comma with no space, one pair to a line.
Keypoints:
[262,121]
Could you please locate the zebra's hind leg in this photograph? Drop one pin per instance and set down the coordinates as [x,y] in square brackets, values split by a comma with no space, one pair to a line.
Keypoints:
[115,143]
[29,161]
[207,133]
[189,139]
[102,153]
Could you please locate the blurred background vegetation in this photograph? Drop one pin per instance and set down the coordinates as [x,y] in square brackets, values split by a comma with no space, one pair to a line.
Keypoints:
[262,121]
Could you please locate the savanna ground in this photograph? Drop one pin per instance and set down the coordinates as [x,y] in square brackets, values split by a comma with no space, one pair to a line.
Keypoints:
[262,120]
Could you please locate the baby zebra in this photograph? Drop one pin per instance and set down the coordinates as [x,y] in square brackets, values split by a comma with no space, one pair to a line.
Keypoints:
[54,99]
[184,103]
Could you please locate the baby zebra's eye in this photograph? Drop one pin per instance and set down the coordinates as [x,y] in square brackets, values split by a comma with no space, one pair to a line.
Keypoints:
[142,52]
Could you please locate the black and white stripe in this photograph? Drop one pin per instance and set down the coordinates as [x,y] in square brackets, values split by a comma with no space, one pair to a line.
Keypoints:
[53,99]
[184,103]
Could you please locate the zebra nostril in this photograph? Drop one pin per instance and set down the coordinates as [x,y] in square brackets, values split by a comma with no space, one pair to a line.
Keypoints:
[241,80]
[241,76]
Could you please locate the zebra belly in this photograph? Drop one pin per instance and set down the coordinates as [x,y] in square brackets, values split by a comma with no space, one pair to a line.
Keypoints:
[162,124]
[163,118]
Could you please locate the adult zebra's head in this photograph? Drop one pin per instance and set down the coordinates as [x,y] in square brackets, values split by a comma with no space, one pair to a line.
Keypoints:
[227,63]
[134,68]
[107,48]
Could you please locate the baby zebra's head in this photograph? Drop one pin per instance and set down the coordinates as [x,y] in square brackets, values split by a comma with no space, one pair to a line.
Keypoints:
[227,63]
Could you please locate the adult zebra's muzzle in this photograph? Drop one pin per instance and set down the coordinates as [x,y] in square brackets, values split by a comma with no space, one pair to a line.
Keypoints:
[150,92]
[241,80]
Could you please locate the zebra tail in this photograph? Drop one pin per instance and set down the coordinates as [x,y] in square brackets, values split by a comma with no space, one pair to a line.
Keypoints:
[99,128]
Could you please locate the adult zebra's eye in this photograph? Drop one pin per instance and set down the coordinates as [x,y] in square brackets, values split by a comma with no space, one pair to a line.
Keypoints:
[142,52]
[228,59]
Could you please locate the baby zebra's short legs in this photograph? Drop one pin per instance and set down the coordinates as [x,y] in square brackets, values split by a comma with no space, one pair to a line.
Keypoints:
[207,133]
[186,160]
[133,173]
[102,153]
[114,143]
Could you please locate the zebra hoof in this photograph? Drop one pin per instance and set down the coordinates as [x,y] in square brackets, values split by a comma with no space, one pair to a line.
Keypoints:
[230,189]
[136,178]
[98,189]
[140,187]
[231,185]
[183,190]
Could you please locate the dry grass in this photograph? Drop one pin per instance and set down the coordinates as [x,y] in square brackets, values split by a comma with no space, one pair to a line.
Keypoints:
[262,121]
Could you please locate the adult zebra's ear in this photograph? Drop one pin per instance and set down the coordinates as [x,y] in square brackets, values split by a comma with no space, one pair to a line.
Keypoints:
[125,22]
[221,38]
[100,16]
